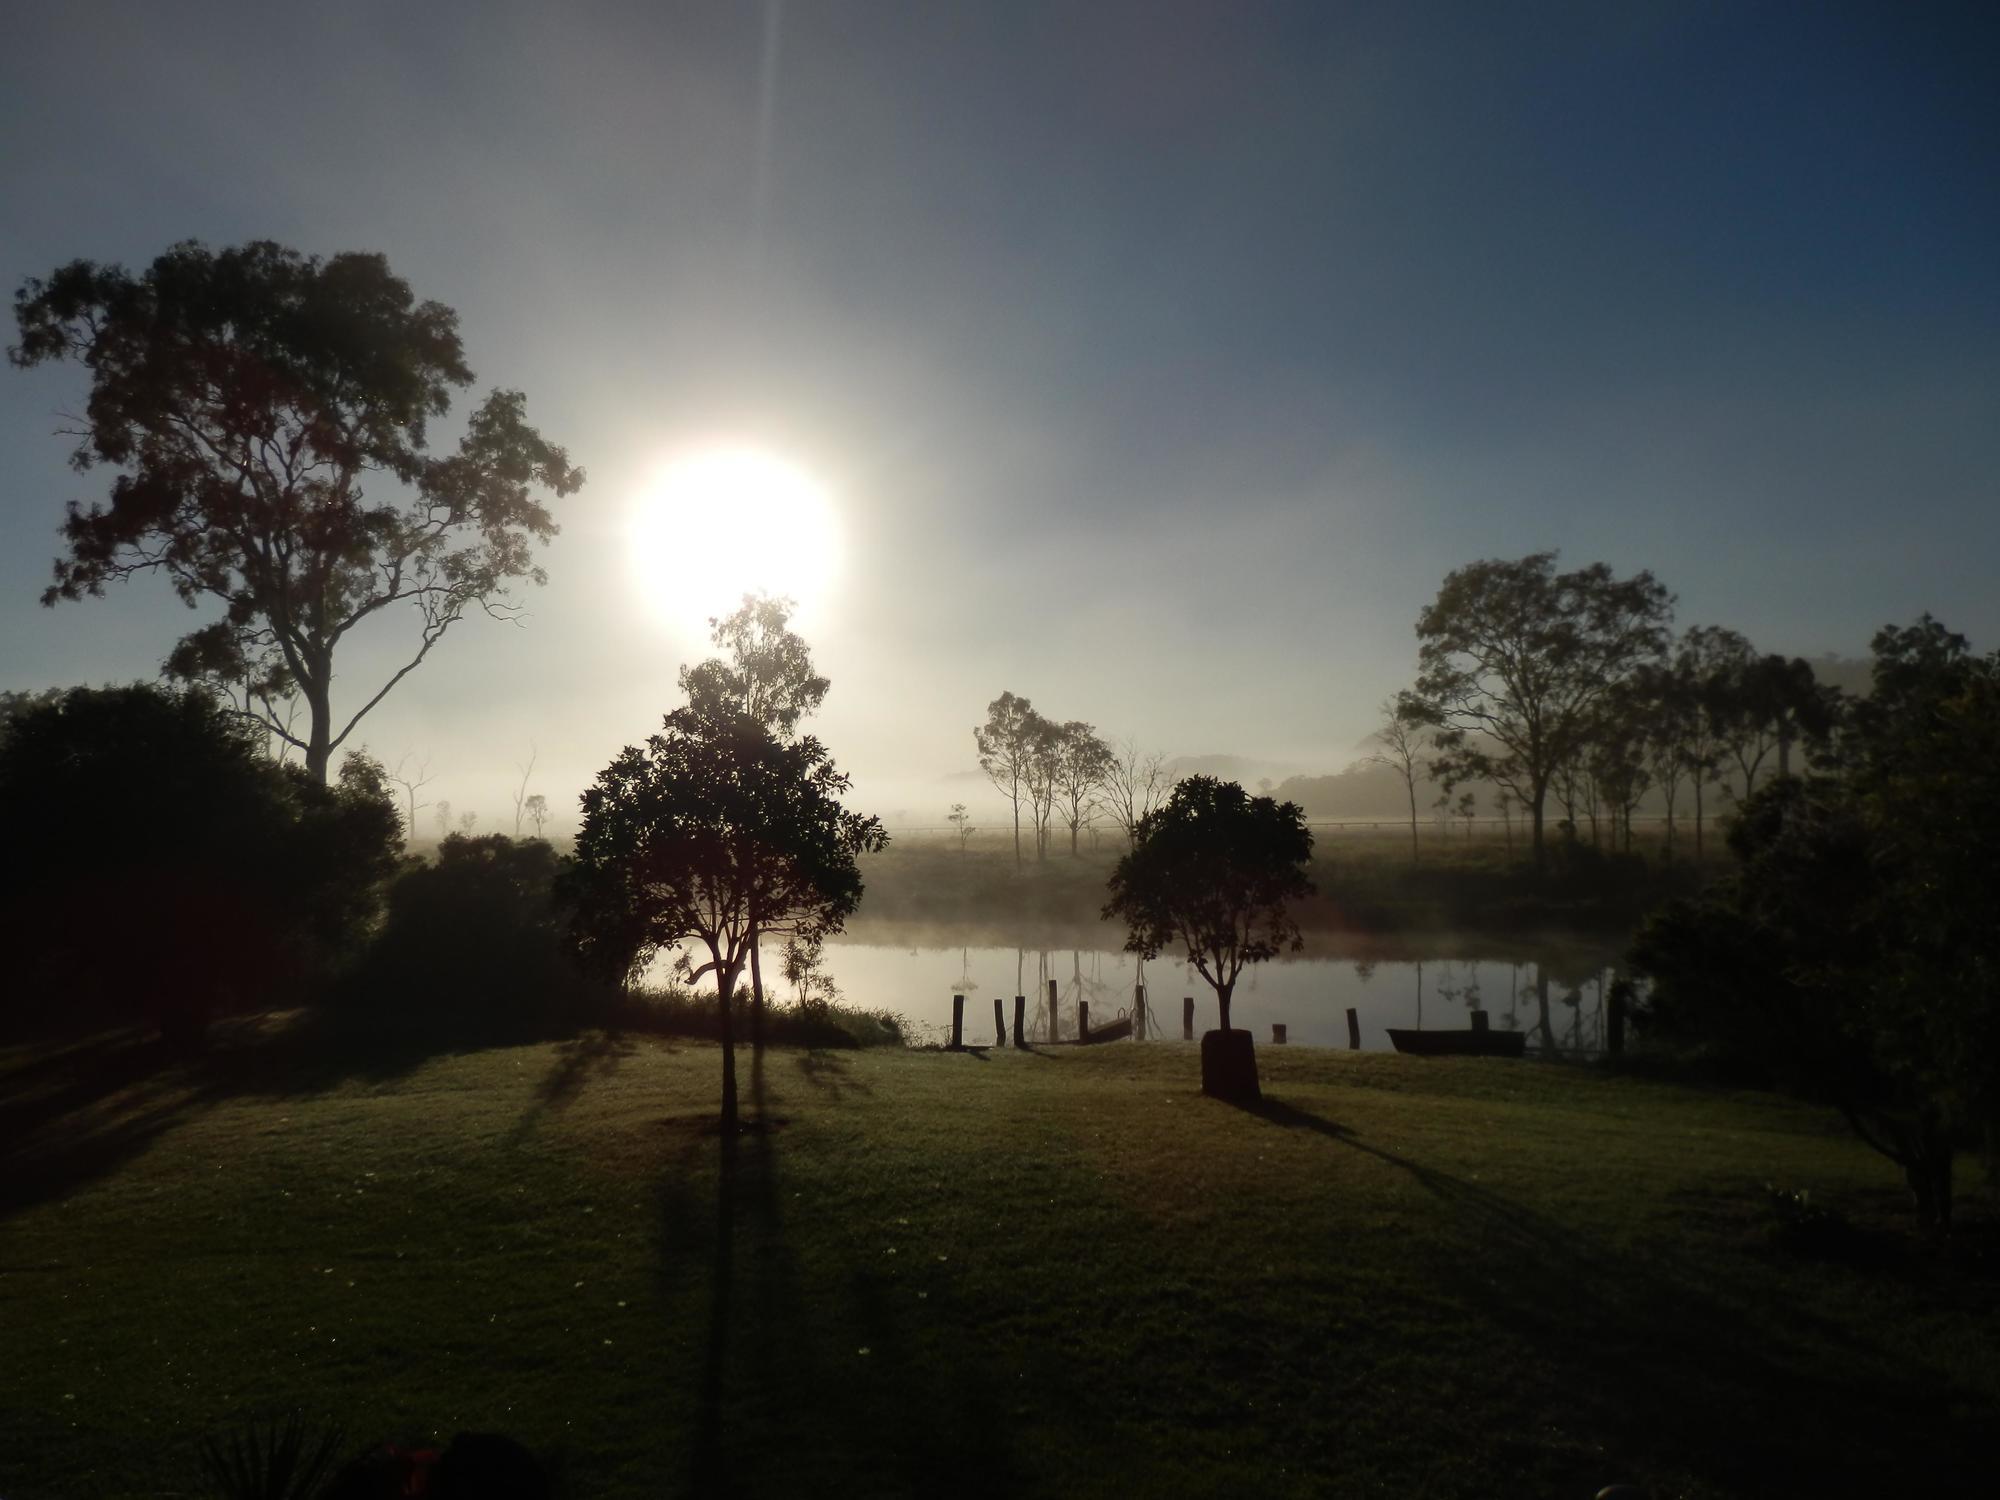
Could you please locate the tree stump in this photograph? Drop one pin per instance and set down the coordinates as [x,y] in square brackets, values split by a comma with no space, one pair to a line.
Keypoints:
[1229,1066]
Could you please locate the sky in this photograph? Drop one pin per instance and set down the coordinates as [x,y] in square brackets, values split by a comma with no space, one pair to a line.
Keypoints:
[1156,360]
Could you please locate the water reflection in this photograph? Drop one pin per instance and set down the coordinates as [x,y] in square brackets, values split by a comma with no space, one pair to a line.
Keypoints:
[1556,991]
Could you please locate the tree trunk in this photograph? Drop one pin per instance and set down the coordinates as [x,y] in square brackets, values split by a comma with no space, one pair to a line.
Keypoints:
[1697,819]
[1535,821]
[1017,830]
[756,990]
[319,750]
[1411,783]
[724,989]
[1928,1171]
[1222,994]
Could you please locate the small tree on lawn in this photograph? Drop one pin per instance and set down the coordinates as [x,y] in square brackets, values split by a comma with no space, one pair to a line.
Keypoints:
[1212,872]
[714,829]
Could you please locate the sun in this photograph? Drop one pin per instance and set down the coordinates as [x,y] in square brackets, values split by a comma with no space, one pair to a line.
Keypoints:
[719,523]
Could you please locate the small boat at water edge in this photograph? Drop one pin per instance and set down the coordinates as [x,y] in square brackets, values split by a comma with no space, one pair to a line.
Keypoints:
[1478,1042]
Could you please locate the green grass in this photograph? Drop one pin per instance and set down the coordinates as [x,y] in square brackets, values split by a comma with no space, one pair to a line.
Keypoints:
[1061,1273]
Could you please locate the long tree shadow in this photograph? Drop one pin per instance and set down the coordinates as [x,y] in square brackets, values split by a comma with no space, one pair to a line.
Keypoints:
[74,1110]
[1672,1376]
[578,1062]
[810,1380]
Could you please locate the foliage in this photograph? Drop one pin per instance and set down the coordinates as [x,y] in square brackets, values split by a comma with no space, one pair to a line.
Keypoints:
[714,830]
[1213,871]
[768,673]
[476,939]
[1853,953]
[259,404]
[156,852]
[1007,744]
[285,1458]
[1515,659]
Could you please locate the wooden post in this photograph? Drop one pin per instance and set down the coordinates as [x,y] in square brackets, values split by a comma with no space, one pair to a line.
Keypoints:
[1614,1039]
[999,1022]
[1139,1012]
[1083,1020]
[1481,1022]
[957,1022]
[1278,1033]
[1020,1020]
[1187,1018]
[1353,1030]
[1055,1016]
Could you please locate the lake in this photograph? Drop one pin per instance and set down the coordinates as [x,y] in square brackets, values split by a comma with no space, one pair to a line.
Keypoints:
[1308,994]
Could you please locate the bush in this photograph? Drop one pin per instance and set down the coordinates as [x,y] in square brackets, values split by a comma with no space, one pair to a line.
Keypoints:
[674,1012]
[474,941]
[159,864]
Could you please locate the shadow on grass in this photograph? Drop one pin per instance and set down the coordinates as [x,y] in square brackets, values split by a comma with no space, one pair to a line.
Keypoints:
[814,1373]
[74,1110]
[1678,1383]
[831,1074]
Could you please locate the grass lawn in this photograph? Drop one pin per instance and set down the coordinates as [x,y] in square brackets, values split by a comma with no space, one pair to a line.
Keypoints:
[1060,1272]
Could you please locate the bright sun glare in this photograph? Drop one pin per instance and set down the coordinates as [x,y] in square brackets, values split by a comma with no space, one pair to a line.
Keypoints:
[718,524]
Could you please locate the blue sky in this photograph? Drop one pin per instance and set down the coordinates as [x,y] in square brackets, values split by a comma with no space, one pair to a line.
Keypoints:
[1161,358]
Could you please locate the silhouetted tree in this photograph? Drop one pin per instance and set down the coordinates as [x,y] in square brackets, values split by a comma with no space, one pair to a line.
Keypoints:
[261,406]
[1135,782]
[1213,872]
[961,822]
[538,812]
[1008,744]
[767,674]
[1402,740]
[713,831]
[1701,685]
[158,862]
[767,670]
[1513,660]
[1081,762]
[1851,954]
[521,791]
[412,781]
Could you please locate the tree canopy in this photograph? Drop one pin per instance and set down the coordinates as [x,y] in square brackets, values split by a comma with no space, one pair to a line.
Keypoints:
[1514,659]
[1212,871]
[714,830]
[266,410]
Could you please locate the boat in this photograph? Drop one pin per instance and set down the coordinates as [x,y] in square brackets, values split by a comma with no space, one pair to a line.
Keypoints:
[1479,1041]
[1117,1031]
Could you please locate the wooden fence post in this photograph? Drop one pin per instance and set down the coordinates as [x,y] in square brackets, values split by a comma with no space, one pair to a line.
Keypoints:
[1083,1020]
[1055,1016]
[1278,1033]
[1353,1029]
[1614,1039]
[999,1022]
[957,1022]
[1187,1018]
[1020,1020]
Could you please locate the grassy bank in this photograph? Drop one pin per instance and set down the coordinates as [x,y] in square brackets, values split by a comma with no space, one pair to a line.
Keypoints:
[1062,1272]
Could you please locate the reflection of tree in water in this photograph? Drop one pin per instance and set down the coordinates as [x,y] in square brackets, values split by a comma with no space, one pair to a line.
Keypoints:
[1453,992]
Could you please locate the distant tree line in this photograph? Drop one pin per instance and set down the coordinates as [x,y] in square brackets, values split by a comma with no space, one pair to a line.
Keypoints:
[1569,690]
[1065,774]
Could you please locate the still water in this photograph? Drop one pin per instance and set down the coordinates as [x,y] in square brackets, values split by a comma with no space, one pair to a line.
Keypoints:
[1559,1001]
